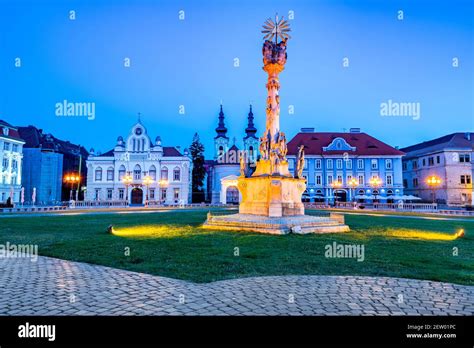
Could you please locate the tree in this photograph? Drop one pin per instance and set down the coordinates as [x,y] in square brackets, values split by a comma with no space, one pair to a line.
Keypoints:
[199,172]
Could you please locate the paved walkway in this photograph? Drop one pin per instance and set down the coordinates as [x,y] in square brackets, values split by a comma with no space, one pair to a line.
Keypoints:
[57,287]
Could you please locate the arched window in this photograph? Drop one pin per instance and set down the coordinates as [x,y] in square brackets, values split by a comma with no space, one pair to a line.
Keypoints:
[98,174]
[110,174]
[176,174]
[164,173]
[122,172]
[221,150]
[389,192]
[134,144]
[360,192]
[137,172]
[153,172]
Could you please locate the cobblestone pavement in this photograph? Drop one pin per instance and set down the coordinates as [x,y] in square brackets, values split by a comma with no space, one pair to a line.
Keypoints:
[58,287]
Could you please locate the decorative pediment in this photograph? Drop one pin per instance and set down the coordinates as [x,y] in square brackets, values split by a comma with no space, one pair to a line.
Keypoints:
[339,144]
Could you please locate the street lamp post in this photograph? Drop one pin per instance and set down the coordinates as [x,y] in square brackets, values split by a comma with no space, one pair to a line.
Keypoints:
[375,183]
[147,181]
[127,181]
[72,179]
[352,185]
[433,182]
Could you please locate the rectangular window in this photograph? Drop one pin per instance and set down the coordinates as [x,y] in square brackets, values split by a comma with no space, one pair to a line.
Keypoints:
[329,163]
[121,193]
[360,164]
[14,164]
[465,179]
[318,164]
[464,158]
[318,179]
[405,183]
[339,163]
[6,146]
[349,164]
[404,166]
[98,175]
[163,194]
[388,163]
[176,194]
[361,180]
[110,175]
[414,164]
[97,194]
[176,175]
[5,163]
[109,194]
[423,162]
[152,193]
[374,164]
[349,178]
[305,164]
[415,182]
[339,179]
[15,148]
[137,174]
[389,180]
[430,161]
[329,179]
[438,159]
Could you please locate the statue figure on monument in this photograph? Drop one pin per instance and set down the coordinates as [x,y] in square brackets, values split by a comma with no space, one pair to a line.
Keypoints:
[282,146]
[299,162]
[243,164]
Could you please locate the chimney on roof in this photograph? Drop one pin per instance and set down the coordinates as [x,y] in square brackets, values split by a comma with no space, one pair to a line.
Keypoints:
[307,130]
[354,130]
[467,135]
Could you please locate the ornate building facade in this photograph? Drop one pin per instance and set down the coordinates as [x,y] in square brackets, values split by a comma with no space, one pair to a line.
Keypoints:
[448,158]
[224,169]
[11,155]
[343,166]
[138,170]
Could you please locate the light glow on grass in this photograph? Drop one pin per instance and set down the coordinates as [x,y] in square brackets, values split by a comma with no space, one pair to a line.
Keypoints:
[150,231]
[417,234]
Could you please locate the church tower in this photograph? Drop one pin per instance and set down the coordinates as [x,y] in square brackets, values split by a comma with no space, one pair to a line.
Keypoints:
[221,141]
[250,139]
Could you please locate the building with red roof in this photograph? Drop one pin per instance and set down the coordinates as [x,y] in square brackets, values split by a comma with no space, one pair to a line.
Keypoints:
[347,166]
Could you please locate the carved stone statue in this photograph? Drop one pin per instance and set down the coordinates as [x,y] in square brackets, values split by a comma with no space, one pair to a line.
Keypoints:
[299,162]
[243,165]
[282,146]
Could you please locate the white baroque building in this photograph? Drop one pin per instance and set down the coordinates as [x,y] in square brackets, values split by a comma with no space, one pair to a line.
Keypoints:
[138,157]
[11,155]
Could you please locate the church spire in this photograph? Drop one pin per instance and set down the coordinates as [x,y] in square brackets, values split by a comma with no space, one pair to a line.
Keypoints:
[250,130]
[221,130]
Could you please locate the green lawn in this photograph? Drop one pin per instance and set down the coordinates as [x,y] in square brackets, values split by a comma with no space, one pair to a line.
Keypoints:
[172,244]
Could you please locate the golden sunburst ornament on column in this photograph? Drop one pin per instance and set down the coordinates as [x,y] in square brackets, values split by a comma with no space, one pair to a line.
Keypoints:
[273,29]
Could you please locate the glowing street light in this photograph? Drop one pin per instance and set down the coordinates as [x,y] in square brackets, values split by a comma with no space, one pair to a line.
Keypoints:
[147,181]
[375,183]
[72,179]
[127,181]
[353,184]
[433,182]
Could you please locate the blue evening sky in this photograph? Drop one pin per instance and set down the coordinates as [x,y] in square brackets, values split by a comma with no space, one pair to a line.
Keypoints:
[191,62]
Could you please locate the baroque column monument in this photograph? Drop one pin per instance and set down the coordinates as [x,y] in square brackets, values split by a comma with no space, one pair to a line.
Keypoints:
[271,196]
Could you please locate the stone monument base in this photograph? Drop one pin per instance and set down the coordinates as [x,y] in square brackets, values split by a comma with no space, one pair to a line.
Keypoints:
[301,224]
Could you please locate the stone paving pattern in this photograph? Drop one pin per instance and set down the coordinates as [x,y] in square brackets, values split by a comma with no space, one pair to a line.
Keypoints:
[57,287]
